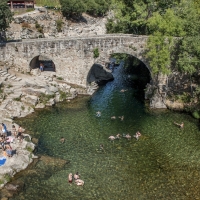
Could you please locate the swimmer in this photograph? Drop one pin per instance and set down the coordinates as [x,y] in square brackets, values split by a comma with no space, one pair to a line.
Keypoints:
[111,138]
[123,90]
[101,147]
[98,114]
[118,136]
[180,125]
[70,178]
[62,139]
[76,176]
[113,117]
[127,136]
[79,182]
[137,135]
[121,117]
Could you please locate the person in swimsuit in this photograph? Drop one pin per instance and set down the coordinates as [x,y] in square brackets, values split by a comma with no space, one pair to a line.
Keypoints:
[180,125]
[70,178]
[76,176]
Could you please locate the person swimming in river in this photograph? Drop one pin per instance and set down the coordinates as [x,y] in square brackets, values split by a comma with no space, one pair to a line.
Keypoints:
[98,114]
[62,139]
[180,125]
[70,178]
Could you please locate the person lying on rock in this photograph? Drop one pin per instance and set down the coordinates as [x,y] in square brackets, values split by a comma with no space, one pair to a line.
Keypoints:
[4,129]
[9,150]
[14,131]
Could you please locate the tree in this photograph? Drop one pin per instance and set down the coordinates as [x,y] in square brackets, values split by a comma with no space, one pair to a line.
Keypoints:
[72,7]
[158,53]
[6,15]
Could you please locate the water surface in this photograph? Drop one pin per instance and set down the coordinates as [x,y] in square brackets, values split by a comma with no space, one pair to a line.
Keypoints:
[163,164]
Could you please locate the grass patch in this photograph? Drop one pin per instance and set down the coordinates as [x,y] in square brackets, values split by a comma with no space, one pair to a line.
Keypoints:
[63,95]
[39,27]
[44,98]
[96,53]
[59,78]
[7,177]
[17,99]
[59,24]
[48,3]
[29,149]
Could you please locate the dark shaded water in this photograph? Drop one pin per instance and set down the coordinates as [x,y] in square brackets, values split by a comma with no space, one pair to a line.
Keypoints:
[163,164]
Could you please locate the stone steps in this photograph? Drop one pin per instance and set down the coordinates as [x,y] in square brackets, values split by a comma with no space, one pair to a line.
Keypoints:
[9,76]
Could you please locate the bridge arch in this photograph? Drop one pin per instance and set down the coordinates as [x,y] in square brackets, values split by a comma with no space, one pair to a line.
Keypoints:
[47,62]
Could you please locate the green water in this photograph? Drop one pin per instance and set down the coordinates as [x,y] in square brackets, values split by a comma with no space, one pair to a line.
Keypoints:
[163,164]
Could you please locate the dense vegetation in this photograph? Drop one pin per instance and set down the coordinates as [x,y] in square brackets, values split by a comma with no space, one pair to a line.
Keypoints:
[72,8]
[173,28]
[163,21]
[5,15]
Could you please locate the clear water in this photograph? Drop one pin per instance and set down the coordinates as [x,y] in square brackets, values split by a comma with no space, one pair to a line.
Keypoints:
[163,164]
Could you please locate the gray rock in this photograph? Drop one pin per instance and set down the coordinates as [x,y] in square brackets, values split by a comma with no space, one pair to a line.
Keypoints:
[51,102]
[40,105]
[30,99]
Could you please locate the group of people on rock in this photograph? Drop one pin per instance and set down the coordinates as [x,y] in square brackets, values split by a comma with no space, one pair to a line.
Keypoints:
[76,179]
[7,137]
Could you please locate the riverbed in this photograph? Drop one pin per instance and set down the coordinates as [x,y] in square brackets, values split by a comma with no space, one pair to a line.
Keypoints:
[163,164]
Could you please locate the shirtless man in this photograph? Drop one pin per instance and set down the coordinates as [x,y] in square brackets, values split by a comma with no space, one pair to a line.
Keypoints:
[76,176]
[180,125]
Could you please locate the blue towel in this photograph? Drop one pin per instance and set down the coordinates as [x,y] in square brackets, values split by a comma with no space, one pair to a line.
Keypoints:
[2,160]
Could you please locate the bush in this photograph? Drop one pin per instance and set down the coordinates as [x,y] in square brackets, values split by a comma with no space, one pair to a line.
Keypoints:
[39,27]
[63,95]
[96,53]
[59,24]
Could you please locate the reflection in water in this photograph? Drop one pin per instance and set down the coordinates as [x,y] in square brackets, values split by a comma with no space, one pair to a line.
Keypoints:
[162,164]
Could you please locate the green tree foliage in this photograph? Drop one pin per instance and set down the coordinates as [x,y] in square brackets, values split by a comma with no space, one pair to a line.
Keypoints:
[131,15]
[6,15]
[189,51]
[158,53]
[72,7]
[77,7]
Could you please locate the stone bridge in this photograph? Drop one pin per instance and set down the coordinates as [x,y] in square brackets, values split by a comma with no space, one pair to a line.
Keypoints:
[73,57]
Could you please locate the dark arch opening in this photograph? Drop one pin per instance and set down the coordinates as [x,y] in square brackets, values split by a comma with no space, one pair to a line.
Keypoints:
[47,63]
[136,73]
[99,75]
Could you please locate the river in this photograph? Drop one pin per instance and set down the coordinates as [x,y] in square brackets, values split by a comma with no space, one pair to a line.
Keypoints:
[163,164]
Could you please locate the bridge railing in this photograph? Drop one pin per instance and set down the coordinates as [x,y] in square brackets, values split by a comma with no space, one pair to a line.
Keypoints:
[77,38]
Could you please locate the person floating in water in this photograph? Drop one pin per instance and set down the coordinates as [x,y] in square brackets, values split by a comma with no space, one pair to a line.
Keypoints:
[127,136]
[70,178]
[113,117]
[137,135]
[62,139]
[180,125]
[118,136]
[122,90]
[76,176]
[98,114]
[101,147]
[121,117]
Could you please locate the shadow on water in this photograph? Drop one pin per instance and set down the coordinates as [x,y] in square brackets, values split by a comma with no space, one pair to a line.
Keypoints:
[163,164]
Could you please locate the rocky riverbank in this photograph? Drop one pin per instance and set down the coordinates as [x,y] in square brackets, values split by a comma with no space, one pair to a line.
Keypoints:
[20,95]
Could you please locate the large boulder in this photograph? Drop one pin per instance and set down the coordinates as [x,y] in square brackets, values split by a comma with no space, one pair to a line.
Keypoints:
[97,74]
